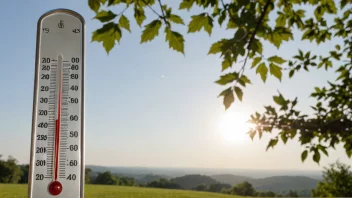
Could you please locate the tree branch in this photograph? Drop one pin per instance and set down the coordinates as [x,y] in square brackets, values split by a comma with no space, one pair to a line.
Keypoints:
[259,23]
[252,37]
[123,11]
[161,7]
[163,14]
[232,18]
[151,8]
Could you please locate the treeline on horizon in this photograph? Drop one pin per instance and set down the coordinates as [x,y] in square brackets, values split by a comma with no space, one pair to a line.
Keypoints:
[11,172]
[337,182]
[242,189]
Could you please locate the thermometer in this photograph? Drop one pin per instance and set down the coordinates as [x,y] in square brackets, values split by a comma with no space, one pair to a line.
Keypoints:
[57,143]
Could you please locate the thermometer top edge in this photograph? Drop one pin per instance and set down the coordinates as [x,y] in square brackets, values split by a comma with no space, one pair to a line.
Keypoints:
[61,10]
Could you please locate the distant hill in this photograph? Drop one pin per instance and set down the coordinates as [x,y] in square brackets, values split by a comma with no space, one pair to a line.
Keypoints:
[144,179]
[191,181]
[231,179]
[140,178]
[261,180]
[276,183]
[179,172]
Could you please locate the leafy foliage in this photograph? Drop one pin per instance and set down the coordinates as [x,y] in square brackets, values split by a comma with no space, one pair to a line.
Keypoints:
[106,178]
[9,171]
[337,182]
[244,189]
[163,183]
[251,26]
[87,176]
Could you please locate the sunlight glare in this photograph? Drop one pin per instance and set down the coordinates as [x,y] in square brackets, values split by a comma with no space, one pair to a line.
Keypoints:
[233,127]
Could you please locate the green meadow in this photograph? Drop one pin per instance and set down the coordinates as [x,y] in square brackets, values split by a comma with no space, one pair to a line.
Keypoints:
[105,191]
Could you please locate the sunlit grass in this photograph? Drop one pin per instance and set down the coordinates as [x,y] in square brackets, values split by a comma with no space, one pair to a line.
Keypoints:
[103,191]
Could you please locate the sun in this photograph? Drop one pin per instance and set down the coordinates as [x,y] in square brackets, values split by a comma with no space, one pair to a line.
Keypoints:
[233,127]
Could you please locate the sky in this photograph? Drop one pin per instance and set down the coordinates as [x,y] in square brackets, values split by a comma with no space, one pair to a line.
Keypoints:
[147,105]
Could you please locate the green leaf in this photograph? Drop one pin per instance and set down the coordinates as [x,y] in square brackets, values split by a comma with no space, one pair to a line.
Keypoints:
[94,5]
[215,47]
[272,143]
[228,97]
[316,156]
[284,137]
[209,26]
[239,93]
[239,35]
[343,3]
[313,2]
[226,63]
[335,55]
[200,21]
[216,10]
[244,80]
[151,31]
[277,59]
[337,47]
[113,2]
[275,71]
[281,20]
[256,46]
[176,19]
[323,149]
[291,73]
[104,16]
[139,15]
[124,23]
[318,12]
[256,60]
[167,11]
[175,39]
[278,35]
[252,134]
[349,153]
[231,25]
[186,4]
[280,100]
[263,71]
[222,17]
[304,155]
[108,34]
[227,78]
[330,6]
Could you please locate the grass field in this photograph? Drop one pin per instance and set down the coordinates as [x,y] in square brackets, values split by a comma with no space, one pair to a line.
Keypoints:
[100,191]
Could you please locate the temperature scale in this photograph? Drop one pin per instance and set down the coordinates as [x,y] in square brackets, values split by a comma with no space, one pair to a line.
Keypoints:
[57,146]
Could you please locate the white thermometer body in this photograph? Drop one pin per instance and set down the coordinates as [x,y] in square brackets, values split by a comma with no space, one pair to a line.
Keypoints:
[57,144]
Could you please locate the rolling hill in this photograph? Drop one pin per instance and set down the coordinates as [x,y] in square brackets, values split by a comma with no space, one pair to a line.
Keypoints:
[191,181]
[276,183]
[285,183]
[231,179]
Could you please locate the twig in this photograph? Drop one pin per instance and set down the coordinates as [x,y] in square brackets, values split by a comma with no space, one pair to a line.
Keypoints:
[258,23]
[123,11]
[161,7]
[252,38]
[232,18]
[242,68]
[151,8]
[163,16]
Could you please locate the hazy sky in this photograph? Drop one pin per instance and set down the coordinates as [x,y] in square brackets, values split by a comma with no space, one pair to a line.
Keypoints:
[147,105]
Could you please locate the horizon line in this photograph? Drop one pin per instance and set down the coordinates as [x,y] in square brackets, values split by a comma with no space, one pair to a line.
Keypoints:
[205,168]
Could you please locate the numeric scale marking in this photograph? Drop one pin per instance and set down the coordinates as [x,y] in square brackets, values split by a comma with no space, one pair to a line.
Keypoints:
[57,144]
